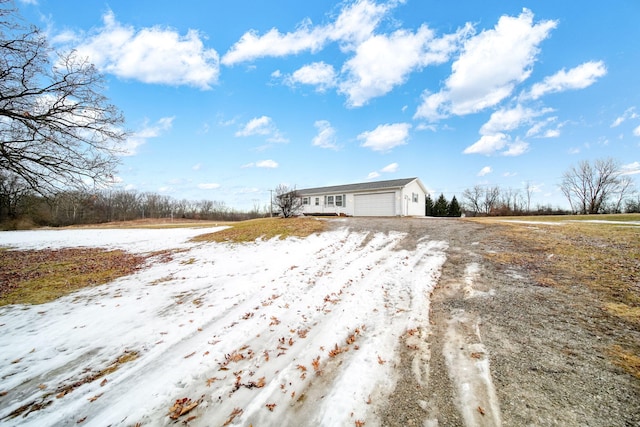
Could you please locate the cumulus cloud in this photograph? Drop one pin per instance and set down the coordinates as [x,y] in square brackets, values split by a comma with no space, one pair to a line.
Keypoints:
[485,171]
[385,137]
[140,137]
[390,168]
[150,55]
[510,119]
[264,126]
[579,77]
[318,74]
[269,164]
[373,175]
[326,137]
[384,61]
[355,23]
[636,131]
[491,64]
[488,144]
[516,148]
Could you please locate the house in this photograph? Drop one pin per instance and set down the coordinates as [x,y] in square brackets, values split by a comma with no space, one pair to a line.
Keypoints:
[396,197]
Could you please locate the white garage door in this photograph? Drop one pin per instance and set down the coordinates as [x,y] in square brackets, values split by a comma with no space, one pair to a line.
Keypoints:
[379,204]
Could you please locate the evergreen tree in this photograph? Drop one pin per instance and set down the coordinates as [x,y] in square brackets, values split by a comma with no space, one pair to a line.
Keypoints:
[441,206]
[428,211]
[454,208]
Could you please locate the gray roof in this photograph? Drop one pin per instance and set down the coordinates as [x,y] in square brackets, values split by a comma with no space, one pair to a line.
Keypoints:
[363,186]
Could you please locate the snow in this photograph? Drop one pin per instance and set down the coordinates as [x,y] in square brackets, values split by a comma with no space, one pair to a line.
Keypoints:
[230,326]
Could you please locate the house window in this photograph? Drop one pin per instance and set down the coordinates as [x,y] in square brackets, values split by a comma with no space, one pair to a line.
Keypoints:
[305,200]
[329,201]
[317,201]
[339,200]
[415,197]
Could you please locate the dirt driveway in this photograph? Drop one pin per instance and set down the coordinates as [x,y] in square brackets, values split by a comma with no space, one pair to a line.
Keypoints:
[504,350]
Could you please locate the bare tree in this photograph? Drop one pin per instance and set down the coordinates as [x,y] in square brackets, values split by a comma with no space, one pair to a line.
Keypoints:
[472,198]
[588,186]
[287,201]
[57,130]
[528,188]
[625,187]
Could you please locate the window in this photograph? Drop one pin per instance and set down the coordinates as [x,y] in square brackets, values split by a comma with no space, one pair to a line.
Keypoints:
[414,196]
[329,201]
[305,200]
[317,201]
[339,201]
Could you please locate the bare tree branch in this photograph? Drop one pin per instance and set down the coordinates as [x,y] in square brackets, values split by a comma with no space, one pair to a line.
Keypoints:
[57,129]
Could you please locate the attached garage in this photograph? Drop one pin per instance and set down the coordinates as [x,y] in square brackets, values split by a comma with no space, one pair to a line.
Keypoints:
[395,197]
[377,204]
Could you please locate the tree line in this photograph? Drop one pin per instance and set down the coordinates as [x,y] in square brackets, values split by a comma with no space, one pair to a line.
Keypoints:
[22,208]
[594,187]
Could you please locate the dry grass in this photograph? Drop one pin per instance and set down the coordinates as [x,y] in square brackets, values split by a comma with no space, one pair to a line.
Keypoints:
[268,228]
[605,257]
[36,277]
[153,223]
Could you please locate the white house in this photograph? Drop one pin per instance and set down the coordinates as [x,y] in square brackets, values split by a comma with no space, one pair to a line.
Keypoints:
[396,197]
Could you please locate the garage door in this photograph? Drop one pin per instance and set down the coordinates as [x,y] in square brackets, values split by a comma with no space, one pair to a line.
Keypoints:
[379,204]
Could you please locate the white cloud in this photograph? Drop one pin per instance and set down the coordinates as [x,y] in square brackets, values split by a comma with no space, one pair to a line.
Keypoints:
[485,171]
[631,168]
[384,61]
[636,131]
[257,126]
[141,136]
[580,77]
[390,168]
[385,137]
[318,74]
[373,175]
[264,126]
[354,24]
[488,144]
[196,167]
[628,114]
[151,55]
[551,133]
[516,148]
[208,186]
[509,119]
[490,66]
[326,137]
[269,164]
[538,127]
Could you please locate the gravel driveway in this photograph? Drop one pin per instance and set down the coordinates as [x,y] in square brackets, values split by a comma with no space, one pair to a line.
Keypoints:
[504,350]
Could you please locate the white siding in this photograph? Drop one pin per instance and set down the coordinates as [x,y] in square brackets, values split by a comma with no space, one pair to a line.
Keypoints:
[410,206]
[376,204]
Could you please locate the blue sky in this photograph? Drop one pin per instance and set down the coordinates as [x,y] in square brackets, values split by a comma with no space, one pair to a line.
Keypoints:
[226,100]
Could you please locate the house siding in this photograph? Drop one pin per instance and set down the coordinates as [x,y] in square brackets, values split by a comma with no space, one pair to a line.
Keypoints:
[408,199]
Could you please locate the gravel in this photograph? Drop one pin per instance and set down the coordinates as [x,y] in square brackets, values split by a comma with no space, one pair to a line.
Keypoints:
[502,349]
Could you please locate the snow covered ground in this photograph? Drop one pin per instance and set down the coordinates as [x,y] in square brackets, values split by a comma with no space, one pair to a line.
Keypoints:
[292,332]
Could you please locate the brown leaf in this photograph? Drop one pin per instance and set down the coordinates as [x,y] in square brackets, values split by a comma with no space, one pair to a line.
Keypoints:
[480,410]
[234,413]
[94,398]
[270,406]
